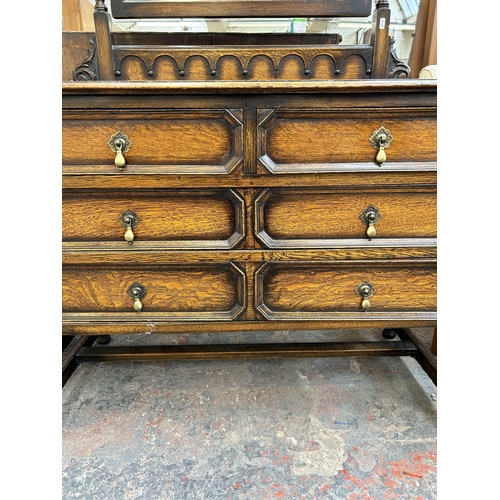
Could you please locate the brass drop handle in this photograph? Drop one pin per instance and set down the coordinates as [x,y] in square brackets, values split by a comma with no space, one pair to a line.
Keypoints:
[119,158]
[381,156]
[129,220]
[137,300]
[137,292]
[129,234]
[381,139]
[370,216]
[365,290]
[119,144]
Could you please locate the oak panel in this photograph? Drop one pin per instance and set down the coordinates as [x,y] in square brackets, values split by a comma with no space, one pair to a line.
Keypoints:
[180,140]
[286,216]
[180,292]
[178,218]
[317,290]
[301,139]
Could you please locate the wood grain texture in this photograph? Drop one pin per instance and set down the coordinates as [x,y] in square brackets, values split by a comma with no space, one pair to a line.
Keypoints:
[180,181]
[102,24]
[408,87]
[181,291]
[296,140]
[317,290]
[75,47]
[177,218]
[75,324]
[420,175]
[332,215]
[207,138]
[348,250]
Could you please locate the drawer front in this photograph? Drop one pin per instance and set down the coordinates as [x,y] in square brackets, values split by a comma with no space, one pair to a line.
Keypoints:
[296,218]
[331,290]
[195,219]
[197,141]
[295,140]
[180,292]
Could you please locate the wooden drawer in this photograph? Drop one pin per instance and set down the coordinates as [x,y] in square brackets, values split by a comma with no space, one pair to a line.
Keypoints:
[159,219]
[195,141]
[321,218]
[320,291]
[173,292]
[296,140]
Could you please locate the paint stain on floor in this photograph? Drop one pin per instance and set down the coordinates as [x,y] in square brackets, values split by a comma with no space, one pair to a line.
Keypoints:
[265,429]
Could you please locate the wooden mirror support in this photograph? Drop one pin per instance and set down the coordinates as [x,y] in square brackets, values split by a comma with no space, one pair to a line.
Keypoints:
[146,56]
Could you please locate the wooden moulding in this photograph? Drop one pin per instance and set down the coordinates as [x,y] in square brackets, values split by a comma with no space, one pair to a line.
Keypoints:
[140,58]
[231,351]
[339,87]
[205,63]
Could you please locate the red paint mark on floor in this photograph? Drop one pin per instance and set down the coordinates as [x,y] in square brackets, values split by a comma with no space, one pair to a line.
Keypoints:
[349,477]
[416,466]
[284,459]
[324,488]
[279,494]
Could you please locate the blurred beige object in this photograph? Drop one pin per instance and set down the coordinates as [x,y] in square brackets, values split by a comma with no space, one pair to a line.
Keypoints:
[429,72]
[424,47]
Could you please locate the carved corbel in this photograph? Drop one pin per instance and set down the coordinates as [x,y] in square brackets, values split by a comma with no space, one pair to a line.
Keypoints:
[87,69]
[397,68]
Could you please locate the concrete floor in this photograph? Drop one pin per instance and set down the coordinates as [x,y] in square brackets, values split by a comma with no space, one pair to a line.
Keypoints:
[291,428]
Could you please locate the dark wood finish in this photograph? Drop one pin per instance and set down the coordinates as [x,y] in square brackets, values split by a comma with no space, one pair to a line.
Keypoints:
[70,352]
[102,22]
[239,8]
[207,63]
[249,165]
[242,351]
[248,248]
[425,355]
[434,342]
[77,46]
[380,39]
[209,57]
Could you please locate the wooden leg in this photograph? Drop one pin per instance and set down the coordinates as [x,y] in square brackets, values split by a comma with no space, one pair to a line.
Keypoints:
[434,348]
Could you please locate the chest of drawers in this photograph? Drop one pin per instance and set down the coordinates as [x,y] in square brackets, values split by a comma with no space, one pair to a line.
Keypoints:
[248,206]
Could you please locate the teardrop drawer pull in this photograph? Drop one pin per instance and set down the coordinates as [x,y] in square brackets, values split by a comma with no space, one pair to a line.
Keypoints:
[137,292]
[365,290]
[381,139]
[369,217]
[129,220]
[119,144]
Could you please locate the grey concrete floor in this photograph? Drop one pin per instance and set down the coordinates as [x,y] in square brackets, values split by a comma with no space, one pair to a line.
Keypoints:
[291,428]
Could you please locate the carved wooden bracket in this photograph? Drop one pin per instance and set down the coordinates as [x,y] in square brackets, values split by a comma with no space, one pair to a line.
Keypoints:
[87,69]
